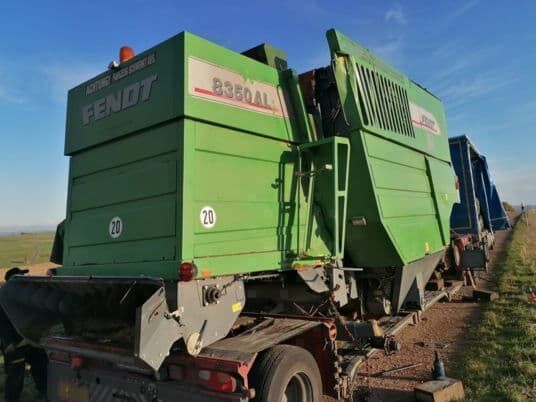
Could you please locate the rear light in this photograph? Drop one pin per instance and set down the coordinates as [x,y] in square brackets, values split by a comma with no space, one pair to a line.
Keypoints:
[217,381]
[457,183]
[77,362]
[206,273]
[125,54]
[59,356]
[187,271]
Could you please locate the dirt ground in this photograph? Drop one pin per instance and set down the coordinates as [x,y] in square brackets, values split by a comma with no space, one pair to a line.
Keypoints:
[442,328]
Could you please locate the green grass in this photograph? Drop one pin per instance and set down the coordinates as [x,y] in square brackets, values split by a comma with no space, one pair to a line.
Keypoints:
[23,249]
[499,363]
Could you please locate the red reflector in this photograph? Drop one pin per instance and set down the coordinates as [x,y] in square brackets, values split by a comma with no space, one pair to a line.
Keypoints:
[217,381]
[59,357]
[125,54]
[77,362]
[187,272]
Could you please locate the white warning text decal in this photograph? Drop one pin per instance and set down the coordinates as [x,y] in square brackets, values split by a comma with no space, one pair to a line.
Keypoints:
[422,118]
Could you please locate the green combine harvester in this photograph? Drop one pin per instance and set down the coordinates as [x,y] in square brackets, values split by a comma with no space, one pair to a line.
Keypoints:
[227,217]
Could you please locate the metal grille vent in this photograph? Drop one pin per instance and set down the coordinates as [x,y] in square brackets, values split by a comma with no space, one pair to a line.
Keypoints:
[383,102]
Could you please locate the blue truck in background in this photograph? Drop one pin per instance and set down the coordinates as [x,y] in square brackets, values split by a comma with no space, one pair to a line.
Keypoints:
[480,212]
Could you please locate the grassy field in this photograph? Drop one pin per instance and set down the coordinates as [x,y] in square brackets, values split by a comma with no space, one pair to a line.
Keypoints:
[25,249]
[500,362]
[19,250]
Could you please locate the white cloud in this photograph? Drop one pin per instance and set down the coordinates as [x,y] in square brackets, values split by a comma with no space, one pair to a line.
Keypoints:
[462,58]
[389,49]
[309,8]
[446,50]
[62,77]
[9,97]
[457,66]
[516,185]
[396,14]
[462,9]
[479,85]
[320,58]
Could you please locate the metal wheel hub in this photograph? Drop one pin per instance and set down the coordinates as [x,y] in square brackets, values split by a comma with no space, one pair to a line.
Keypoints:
[298,389]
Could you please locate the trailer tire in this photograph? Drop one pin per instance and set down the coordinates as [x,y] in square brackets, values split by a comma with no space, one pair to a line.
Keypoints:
[286,370]
[456,256]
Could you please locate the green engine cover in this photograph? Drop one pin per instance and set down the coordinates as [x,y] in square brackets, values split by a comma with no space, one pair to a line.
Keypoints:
[188,152]
[402,185]
[192,152]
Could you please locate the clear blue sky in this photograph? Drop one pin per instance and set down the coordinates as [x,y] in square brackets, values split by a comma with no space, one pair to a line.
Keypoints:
[478,56]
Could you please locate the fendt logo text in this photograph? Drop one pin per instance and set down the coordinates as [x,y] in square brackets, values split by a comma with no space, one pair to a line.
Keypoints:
[115,102]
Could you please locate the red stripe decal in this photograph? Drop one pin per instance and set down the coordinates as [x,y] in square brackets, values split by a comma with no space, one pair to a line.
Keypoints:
[423,125]
[204,91]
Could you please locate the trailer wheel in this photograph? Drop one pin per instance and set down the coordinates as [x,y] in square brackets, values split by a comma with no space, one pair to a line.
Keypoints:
[456,255]
[456,249]
[286,373]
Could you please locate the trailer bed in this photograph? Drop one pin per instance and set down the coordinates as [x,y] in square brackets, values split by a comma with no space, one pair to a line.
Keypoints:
[394,325]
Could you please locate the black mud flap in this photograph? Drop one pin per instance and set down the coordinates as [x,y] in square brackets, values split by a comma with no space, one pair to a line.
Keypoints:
[143,315]
[37,304]
[100,310]
[475,259]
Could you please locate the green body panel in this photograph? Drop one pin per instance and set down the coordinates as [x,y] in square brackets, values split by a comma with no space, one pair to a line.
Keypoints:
[157,163]
[401,178]
[261,210]
[268,55]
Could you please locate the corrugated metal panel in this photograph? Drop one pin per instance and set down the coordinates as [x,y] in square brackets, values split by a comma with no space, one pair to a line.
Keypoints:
[385,102]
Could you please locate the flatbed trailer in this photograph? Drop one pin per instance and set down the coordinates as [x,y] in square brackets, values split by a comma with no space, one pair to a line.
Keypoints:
[225,371]
[393,325]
